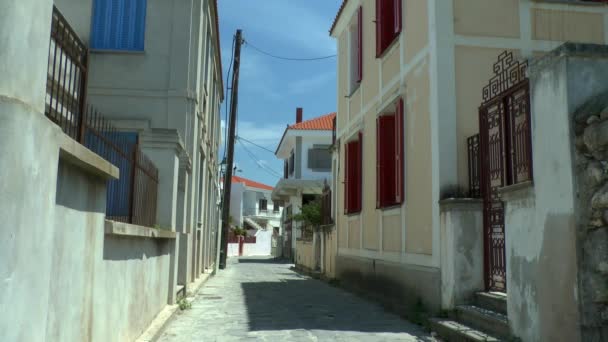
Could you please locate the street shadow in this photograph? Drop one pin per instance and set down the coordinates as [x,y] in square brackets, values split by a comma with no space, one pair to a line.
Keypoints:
[313,305]
[262,260]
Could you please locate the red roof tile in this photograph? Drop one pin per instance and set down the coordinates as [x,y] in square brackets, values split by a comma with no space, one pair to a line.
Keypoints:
[321,123]
[250,183]
[333,25]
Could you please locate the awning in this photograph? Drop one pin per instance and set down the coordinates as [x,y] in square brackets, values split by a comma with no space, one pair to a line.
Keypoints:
[291,187]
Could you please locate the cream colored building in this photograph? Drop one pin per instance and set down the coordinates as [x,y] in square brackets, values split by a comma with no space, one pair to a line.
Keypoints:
[438,57]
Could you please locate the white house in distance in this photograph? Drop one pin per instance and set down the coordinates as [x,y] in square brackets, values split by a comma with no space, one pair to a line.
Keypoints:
[305,150]
[252,208]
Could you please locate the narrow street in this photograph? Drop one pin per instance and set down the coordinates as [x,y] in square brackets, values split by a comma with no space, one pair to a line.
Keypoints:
[259,299]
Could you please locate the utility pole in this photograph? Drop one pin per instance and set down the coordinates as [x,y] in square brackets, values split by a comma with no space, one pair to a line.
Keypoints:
[234,98]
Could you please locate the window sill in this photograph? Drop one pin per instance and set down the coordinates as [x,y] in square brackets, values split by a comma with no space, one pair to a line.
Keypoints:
[354,213]
[389,206]
[389,47]
[516,191]
[76,154]
[131,230]
[354,90]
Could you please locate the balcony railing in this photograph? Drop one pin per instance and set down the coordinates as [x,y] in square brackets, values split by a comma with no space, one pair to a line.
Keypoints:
[133,197]
[66,78]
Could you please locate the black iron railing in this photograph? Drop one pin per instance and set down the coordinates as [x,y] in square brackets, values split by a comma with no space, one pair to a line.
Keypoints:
[133,197]
[474,167]
[66,77]
[326,217]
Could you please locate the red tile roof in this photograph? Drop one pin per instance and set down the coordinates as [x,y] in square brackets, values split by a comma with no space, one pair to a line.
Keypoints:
[250,183]
[321,123]
[333,25]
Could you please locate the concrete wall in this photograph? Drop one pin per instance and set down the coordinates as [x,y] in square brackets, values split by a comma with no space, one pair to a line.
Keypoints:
[305,255]
[461,251]
[547,225]
[104,287]
[262,245]
[236,203]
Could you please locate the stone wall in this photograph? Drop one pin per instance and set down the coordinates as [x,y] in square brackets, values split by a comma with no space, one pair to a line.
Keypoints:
[590,124]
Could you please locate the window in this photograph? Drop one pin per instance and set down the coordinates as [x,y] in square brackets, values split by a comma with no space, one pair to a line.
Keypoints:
[389,154]
[356,50]
[319,158]
[276,206]
[263,205]
[292,162]
[353,175]
[388,23]
[118,25]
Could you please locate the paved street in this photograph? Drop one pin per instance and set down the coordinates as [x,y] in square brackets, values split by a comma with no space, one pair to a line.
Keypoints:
[258,299]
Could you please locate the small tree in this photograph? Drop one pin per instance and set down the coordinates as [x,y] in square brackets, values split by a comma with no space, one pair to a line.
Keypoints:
[310,216]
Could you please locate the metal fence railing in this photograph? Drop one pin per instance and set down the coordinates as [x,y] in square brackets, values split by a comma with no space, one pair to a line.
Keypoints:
[133,197]
[66,77]
[326,217]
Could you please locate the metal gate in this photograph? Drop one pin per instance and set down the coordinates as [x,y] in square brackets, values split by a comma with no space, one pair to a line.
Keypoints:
[504,128]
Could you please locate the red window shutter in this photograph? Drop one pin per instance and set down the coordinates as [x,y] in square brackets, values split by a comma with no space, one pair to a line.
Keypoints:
[360,44]
[397,17]
[388,156]
[378,28]
[379,162]
[399,153]
[359,168]
[346,178]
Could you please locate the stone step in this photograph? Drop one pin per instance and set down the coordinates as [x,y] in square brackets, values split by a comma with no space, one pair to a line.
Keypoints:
[453,331]
[488,321]
[493,301]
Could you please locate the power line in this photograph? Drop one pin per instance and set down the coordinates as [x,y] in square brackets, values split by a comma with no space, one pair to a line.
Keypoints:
[259,162]
[254,144]
[287,58]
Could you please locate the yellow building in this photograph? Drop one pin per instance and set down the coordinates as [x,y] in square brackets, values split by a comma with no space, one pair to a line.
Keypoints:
[410,80]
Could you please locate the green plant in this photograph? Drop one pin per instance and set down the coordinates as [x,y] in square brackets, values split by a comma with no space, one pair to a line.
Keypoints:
[310,214]
[159,227]
[239,231]
[184,304]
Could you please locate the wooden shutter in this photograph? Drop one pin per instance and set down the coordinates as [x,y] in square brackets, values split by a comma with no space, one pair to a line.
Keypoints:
[378,27]
[346,178]
[359,168]
[399,153]
[119,25]
[379,162]
[360,44]
[397,17]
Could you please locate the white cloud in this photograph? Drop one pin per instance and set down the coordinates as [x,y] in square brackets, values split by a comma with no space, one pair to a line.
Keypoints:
[312,83]
[264,134]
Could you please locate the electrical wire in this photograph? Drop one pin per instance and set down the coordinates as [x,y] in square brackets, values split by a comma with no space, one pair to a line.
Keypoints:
[254,144]
[287,58]
[258,162]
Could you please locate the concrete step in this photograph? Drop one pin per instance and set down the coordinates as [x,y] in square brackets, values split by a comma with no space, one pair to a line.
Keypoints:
[493,301]
[453,331]
[488,321]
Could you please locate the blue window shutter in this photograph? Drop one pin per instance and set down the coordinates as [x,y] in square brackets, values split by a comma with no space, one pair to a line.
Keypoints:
[118,25]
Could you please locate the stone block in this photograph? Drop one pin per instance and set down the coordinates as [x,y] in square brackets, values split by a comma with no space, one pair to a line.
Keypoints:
[600,198]
[596,136]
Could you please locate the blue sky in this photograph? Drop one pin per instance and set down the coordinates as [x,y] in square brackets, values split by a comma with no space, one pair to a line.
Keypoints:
[271,89]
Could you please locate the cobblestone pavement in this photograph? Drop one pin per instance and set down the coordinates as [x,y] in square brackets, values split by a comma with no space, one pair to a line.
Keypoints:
[261,300]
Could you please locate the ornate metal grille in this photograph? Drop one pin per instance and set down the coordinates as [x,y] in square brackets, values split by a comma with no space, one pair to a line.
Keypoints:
[474,170]
[505,139]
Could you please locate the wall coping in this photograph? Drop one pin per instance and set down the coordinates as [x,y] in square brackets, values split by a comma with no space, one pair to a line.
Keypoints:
[453,204]
[567,50]
[516,191]
[76,154]
[126,229]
